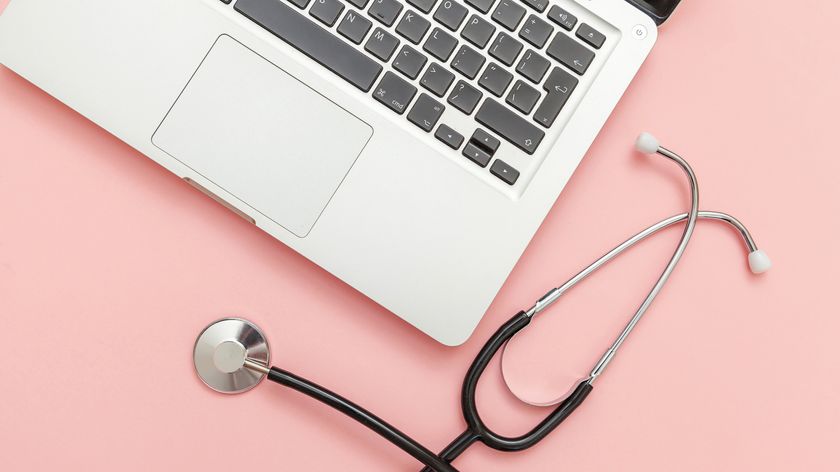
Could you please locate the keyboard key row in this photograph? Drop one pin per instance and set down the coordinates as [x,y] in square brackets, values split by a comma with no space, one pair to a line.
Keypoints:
[312,40]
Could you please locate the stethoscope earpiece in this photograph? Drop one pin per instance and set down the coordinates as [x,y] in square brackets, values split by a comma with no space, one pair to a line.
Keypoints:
[647,143]
[759,262]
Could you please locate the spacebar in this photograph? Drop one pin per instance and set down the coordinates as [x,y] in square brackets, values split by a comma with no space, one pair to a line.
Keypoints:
[312,40]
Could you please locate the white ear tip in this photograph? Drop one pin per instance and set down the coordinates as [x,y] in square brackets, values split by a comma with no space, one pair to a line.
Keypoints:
[647,143]
[759,262]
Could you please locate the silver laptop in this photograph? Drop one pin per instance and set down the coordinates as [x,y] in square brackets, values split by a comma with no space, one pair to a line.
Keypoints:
[409,147]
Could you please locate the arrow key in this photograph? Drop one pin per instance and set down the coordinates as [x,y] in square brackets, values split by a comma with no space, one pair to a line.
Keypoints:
[449,136]
[485,140]
[502,170]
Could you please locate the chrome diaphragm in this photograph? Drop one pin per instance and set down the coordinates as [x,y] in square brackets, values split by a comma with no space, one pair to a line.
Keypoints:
[221,351]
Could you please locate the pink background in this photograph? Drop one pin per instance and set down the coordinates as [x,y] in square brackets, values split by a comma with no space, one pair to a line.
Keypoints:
[109,267]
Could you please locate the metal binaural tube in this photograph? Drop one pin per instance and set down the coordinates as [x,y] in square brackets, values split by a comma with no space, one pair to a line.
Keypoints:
[666,273]
[554,294]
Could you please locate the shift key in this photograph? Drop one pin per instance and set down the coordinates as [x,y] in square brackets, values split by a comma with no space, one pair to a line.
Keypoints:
[509,125]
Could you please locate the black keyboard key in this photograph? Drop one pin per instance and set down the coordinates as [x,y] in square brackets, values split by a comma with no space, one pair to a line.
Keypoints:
[506,123]
[508,14]
[449,136]
[394,92]
[300,3]
[361,4]
[437,79]
[316,42]
[477,155]
[591,36]
[536,31]
[539,5]
[566,20]
[440,44]
[381,44]
[409,62]
[385,11]
[464,97]
[502,170]
[570,53]
[560,81]
[327,11]
[426,112]
[467,61]
[485,140]
[533,66]
[413,27]
[523,97]
[423,5]
[495,79]
[559,85]
[505,48]
[354,27]
[478,31]
[451,14]
[481,5]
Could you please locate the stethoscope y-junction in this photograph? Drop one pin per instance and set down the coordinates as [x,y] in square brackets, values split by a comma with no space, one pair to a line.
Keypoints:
[232,355]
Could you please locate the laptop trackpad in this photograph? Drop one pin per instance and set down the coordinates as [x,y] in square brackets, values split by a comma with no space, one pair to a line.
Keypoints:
[263,136]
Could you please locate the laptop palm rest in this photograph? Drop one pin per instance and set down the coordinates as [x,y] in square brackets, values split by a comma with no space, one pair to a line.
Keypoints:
[263,136]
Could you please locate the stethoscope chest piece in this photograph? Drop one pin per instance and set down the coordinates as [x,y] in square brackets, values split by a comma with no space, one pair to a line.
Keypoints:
[220,353]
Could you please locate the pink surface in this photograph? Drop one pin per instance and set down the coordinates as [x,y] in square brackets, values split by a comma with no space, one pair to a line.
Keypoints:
[110,266]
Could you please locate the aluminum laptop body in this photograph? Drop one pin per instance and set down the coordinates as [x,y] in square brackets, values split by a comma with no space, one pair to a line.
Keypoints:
[411,148]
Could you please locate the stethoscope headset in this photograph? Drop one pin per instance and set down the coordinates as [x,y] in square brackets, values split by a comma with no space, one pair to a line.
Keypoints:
[232,354]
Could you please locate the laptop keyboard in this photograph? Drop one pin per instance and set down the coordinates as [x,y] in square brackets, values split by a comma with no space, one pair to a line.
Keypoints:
[511,64]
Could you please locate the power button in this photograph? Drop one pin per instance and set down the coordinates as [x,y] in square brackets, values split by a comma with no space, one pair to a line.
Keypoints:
[640,32]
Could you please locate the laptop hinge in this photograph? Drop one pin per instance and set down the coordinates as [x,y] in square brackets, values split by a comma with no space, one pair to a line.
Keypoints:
[658,13]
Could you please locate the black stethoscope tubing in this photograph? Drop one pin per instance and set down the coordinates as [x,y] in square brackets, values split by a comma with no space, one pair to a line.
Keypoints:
[476,429]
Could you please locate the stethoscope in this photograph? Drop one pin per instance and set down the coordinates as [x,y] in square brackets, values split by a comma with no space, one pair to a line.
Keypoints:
[232,355]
